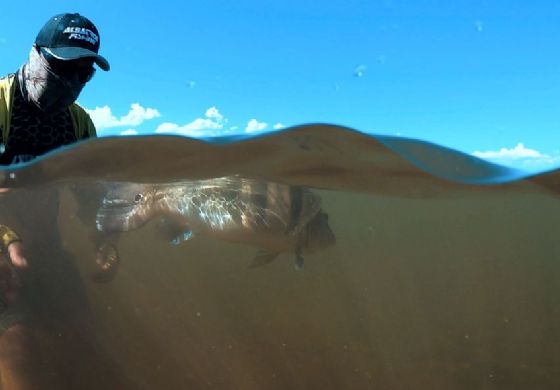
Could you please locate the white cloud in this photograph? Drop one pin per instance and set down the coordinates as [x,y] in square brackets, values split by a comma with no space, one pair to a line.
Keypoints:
[167,127]
[254,126]
[129,132]
[518,152]
[520,157]
[103,117]
[213,113]
[211,124]
[208,126]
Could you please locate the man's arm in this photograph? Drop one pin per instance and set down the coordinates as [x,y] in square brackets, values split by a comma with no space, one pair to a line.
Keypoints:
[10,244]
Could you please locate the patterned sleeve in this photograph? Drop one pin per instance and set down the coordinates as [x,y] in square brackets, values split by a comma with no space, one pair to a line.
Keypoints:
[82,123]
[91,131]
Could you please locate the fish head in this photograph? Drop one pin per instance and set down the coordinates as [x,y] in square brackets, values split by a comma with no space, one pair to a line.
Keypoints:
[318,233]
[126,206]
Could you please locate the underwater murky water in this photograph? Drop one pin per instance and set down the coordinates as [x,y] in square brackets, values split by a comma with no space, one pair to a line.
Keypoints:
[456,290]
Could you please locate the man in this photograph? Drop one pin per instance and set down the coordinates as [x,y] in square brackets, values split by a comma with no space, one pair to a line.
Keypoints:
[38,114]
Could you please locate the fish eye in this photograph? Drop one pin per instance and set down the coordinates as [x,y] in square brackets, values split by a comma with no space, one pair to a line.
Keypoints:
[138,198]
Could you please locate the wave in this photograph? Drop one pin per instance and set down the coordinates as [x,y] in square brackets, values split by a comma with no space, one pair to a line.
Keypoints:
[318,155]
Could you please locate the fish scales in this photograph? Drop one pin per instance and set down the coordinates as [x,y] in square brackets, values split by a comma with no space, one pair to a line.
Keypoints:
[271,216]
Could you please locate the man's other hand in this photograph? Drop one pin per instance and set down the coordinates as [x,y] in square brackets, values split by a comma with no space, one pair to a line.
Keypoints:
[16,255]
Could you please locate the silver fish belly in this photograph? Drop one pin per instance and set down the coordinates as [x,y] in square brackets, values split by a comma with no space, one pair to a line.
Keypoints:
[273,217]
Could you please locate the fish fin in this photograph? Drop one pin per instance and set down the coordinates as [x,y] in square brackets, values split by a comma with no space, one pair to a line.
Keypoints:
[263,258]
[185,236]
[304,207]
[167,230]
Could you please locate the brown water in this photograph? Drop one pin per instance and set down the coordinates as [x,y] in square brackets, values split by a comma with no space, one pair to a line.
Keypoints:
[442,292]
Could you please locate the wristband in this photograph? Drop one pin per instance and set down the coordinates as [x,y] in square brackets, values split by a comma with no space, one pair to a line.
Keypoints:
[7,236]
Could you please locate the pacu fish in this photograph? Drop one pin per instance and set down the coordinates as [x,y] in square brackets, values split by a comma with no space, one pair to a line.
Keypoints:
[274,217]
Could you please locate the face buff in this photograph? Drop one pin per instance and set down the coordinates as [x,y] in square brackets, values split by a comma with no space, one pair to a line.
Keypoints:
[44,88]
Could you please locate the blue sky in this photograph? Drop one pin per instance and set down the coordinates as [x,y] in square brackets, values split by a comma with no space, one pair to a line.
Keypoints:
[479,76]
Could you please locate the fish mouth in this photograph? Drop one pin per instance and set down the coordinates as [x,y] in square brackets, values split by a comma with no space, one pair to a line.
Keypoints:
[115,216]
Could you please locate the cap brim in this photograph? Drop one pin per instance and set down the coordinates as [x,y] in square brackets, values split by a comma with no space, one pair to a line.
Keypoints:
[74,53]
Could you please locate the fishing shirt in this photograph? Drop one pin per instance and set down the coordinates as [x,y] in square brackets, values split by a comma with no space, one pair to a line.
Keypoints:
[32,132]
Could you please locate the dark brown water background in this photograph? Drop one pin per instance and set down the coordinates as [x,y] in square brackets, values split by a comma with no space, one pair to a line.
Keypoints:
[455,291]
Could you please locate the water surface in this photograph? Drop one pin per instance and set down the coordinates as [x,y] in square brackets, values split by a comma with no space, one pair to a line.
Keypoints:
[444,274]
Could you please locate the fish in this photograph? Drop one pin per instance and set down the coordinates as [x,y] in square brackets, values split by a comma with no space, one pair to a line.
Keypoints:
[273,217]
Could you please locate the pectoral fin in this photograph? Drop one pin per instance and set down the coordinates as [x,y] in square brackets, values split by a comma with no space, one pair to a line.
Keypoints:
[170,231]
[263,258]
[186,235]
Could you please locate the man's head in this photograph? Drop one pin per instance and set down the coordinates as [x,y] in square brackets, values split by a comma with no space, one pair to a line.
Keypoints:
[62,61]
[69,37]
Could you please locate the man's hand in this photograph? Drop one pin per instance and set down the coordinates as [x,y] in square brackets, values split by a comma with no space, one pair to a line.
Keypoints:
[16,255]
[10,282]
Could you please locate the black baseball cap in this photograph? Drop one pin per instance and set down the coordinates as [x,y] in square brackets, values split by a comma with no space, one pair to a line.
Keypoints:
[69,37]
